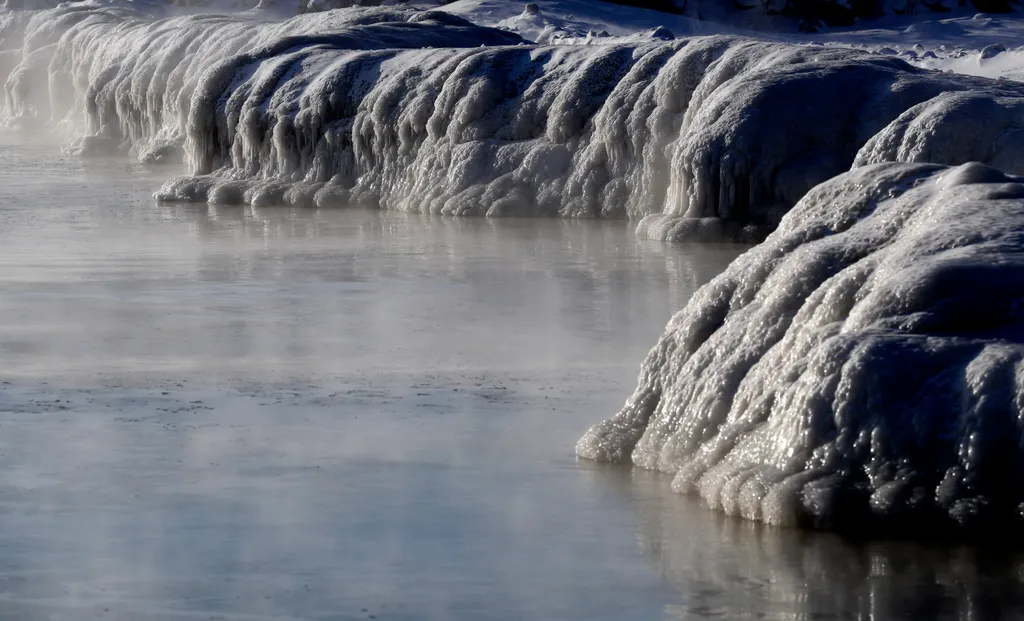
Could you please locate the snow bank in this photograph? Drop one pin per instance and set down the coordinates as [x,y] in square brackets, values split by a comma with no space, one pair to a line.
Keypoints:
[863,367]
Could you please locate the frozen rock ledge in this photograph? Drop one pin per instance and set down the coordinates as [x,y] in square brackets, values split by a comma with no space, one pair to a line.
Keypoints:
[862,368]
[696,139]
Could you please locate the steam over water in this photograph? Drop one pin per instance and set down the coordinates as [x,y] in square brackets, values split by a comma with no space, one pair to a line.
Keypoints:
[221,407]
[278,414]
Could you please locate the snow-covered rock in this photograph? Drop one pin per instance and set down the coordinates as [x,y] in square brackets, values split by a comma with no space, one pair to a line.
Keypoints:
[862,368]
[991,51]
[709,128]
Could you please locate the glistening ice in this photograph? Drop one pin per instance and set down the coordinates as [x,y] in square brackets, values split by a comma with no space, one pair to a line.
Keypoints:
[863,367]
[703,138]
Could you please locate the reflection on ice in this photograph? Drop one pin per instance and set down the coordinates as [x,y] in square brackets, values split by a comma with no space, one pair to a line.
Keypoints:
[730,568]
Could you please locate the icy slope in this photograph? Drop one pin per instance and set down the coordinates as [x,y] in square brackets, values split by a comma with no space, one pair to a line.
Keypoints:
[952,128]
[707,137]
[864,366]
[704,130]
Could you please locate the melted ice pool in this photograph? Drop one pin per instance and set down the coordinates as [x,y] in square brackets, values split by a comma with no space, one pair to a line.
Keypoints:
[226,413]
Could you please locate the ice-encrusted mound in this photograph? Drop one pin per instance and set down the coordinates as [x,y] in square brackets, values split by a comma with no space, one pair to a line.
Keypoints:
[707,137]
[863,367]
[713,134]
[125,73]
[953,128]
[761,137]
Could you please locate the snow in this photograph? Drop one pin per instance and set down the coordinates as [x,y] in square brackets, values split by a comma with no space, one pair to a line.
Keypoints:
[569,21]
[863,367]
[954,44]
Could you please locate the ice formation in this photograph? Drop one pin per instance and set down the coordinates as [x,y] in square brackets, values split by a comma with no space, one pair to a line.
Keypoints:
[717,135]
[863,366]
[953,128]
[423,111]
[706,137]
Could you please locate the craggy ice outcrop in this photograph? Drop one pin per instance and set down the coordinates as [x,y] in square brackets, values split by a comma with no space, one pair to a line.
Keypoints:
[707,137]
[863,367]
[126,72]
[954,128]
[718,135]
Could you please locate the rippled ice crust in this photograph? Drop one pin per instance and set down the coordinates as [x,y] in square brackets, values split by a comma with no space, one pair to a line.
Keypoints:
[422,111]
[954,128]
[862,367]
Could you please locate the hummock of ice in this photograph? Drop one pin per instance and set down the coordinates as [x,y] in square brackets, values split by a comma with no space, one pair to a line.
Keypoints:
[953,128]
[702,131]
[707,137]
[861,368]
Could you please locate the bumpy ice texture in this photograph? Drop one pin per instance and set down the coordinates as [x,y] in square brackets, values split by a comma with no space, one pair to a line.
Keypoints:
[712,134]
[953,128]
[863,367]
[708,137]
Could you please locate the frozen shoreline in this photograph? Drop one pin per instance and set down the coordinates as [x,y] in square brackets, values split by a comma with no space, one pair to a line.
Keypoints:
[701,139]
[704,138]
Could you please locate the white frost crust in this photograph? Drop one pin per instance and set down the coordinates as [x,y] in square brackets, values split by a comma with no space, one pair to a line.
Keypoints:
[708,137]
[126,72]
[702,130]
[862,366]
[953,128]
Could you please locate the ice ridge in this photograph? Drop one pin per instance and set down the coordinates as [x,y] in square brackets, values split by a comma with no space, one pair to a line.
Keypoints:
[699,138]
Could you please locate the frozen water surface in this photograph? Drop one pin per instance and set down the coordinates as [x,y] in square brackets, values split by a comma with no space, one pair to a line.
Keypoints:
[268,413]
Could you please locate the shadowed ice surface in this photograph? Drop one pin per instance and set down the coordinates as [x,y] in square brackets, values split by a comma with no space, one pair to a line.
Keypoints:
[227,413]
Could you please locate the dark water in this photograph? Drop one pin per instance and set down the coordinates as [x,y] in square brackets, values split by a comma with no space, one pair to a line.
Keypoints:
[227,413]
